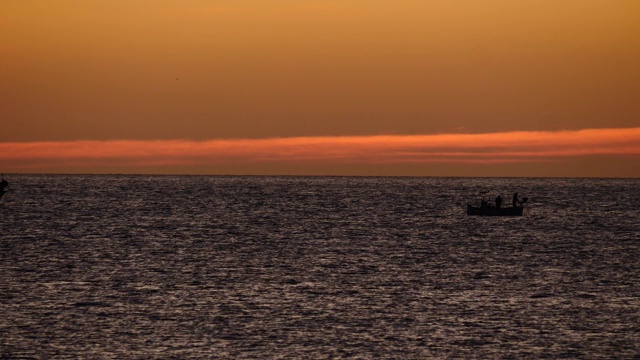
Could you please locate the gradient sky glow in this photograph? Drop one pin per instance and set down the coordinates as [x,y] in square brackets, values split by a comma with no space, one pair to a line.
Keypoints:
[353,87]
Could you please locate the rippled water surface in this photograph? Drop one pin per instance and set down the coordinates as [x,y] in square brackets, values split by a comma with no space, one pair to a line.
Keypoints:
[317,267]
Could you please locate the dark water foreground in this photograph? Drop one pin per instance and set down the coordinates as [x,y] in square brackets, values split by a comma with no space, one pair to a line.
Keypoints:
[290,267]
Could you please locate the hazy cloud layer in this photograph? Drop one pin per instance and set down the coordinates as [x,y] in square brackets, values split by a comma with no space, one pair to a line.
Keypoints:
[489,148]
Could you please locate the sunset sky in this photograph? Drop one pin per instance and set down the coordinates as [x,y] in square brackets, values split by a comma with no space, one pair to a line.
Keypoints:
[321,87]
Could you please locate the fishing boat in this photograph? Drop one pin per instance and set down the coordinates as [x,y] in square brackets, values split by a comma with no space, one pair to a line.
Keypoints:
[494,211]
[485,209]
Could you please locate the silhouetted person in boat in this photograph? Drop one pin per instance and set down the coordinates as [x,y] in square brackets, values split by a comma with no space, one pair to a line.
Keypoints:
[498,201]
[515,199]
[3,183]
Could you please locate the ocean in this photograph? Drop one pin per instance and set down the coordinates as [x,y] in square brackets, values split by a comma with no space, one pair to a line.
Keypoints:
[251,267]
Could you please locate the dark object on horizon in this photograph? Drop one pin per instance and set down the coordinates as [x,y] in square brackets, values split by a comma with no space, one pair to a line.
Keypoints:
[3,186]
[486,210]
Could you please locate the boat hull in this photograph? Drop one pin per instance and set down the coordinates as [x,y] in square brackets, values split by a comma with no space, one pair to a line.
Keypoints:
[492,211]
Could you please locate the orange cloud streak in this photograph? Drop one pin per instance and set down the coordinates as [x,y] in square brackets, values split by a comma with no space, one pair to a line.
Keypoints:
[505,147]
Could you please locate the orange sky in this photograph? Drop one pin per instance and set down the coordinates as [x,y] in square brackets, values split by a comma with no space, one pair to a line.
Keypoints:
[150,74]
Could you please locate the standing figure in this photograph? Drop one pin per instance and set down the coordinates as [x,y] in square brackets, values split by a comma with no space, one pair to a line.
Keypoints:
[515,199]
[498,201]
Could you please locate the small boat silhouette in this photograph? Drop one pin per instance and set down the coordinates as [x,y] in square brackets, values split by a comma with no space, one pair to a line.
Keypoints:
[485,209]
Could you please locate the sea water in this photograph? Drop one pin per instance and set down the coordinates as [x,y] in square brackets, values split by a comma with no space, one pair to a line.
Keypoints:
[123,267]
